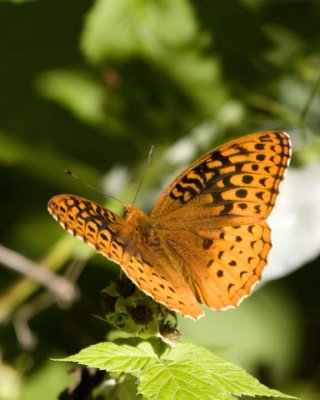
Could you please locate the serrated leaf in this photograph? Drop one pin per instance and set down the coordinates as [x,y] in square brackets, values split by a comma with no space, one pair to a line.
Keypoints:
[234,379]
[116,358]
[185,371]
[179,381]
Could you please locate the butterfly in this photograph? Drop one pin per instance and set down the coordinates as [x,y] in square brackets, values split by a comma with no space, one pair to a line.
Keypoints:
[206,240]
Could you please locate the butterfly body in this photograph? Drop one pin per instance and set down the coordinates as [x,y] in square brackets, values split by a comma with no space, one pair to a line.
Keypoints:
[206,240]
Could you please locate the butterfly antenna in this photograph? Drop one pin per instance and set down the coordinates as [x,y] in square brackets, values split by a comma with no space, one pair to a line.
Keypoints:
[144,173]
[68,172]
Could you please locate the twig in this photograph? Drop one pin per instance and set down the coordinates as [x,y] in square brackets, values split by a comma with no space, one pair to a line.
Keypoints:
[26,337]
[62,288]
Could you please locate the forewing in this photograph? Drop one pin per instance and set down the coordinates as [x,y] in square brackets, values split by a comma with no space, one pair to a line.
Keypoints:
[95,225]
[238,181]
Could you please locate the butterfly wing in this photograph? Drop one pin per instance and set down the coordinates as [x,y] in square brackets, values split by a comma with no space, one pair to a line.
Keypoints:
[95,225]
[118,240]
[159,278]
[223,265]
[213,216]
[236,183]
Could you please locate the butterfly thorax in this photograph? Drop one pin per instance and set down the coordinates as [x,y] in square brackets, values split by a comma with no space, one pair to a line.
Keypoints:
[143,224]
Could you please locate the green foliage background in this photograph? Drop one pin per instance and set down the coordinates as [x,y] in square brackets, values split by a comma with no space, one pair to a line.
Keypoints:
[90,85]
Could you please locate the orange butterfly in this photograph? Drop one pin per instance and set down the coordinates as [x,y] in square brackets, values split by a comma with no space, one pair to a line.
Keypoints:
[206,240]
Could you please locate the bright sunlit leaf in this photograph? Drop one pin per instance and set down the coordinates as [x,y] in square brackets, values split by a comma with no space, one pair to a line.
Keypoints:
[184,371]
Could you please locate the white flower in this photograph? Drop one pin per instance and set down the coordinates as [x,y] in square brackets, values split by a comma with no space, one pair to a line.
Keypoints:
[295,222]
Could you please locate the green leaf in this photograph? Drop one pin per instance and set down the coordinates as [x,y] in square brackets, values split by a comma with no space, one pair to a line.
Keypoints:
[124,28]
[82,95]
[116,358]
[232,378]
[76,90]
[128,29]
[184,371]
[179,381]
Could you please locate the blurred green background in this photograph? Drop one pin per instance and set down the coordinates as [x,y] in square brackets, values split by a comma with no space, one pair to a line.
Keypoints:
[90,85]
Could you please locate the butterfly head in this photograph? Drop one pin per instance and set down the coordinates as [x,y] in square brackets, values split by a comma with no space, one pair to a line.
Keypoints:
[143,224]
[132,213]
